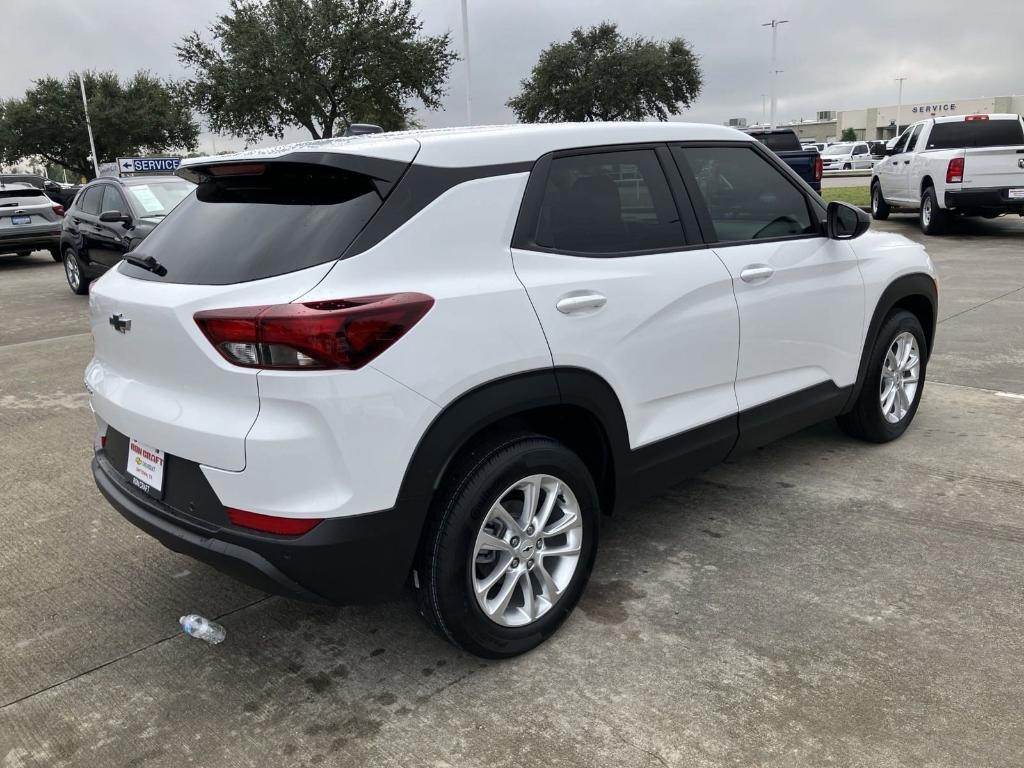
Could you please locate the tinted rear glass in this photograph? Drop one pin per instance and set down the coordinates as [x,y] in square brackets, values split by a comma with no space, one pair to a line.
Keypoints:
[284,217]
[976,133]
[779,142]
[9,193]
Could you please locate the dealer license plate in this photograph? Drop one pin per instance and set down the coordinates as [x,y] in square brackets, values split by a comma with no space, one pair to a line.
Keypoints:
[146,467]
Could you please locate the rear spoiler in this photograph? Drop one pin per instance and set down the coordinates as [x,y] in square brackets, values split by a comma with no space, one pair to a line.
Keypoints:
[383,172]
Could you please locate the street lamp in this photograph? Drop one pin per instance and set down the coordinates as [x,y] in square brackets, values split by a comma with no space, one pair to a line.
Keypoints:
[774,24]
[899,103]
[88,127]
[469,75]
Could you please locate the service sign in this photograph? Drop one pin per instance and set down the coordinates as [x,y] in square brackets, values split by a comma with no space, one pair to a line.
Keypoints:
[148,164]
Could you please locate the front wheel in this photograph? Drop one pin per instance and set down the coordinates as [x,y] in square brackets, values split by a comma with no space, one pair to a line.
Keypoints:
[879,208]
[77,281]
[894,381]
[847,167]
[933,218]
[511,546]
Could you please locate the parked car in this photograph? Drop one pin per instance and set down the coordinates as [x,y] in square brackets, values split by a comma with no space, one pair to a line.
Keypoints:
[784,143]
[968,165]
[821,146]
[62,194]
[877,149]
[847,156]
[437,358]
[109,218]
[29,221]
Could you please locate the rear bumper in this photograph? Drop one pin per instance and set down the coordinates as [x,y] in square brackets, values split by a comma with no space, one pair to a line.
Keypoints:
[36,239]
[358,559]
[990,199]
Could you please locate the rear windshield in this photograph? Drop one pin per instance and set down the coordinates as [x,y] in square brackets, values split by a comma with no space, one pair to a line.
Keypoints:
[9,193]
[267,220]
[785,141]
[975,133]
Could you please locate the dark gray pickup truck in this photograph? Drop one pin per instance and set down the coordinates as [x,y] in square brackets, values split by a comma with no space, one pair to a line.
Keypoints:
[784,143]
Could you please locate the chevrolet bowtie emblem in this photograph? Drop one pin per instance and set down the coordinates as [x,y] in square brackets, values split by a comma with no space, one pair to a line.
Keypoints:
[120,323]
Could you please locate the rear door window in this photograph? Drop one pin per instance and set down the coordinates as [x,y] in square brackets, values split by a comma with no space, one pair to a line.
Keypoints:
[747,197]
[976,133]
[257,220]
[608,203]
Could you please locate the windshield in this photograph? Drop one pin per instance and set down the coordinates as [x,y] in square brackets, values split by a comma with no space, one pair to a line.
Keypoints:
[839,149]
[157,198]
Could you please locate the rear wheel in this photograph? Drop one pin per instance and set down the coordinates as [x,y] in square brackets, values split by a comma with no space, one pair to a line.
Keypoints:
[879,208]
[894,383]
[933,218]
[77,281]
[511,546]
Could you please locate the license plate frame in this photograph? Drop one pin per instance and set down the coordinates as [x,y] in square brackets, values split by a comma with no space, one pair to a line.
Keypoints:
[19,221]
[145,468]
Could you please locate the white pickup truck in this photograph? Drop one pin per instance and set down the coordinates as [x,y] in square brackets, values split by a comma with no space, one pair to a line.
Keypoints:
[969,165]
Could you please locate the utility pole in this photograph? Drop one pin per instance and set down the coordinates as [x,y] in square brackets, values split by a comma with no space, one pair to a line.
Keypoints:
[899,103]
[469,72]
[774,24]
[764,108]
[88,127]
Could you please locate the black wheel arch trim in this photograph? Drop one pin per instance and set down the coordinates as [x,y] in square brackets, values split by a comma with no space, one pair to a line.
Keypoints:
[917,284]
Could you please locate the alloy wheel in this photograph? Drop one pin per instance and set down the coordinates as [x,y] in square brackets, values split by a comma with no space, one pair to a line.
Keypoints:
[71,270]
[527,550]
[901,375]
[926,211]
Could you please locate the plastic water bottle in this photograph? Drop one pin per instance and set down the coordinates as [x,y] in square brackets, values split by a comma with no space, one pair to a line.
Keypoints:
[197,626]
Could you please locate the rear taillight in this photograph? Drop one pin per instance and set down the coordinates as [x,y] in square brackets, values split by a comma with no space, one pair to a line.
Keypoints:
[818,168]
[59,210]
[976,117]
[282,526]
[342,333]
[955,171]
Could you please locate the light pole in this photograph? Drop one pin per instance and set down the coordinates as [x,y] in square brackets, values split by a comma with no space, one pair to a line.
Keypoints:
[899,103]
[774,24]
[469,72]
[764,108]
[88,126]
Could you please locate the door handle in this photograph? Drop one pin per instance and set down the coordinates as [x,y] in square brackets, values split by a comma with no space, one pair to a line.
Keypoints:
[756,272]
[906,162]
[579,301]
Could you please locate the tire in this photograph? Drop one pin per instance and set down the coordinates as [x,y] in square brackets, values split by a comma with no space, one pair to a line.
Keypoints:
[933,218]
[847,167]
[880,209]
[55,254]
[451,560]
[23,254]
[870,419]
[74,273]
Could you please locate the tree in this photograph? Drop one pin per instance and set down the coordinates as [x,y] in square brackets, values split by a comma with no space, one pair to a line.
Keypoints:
[849,134]
[142,114]
[601,75]
[318,64]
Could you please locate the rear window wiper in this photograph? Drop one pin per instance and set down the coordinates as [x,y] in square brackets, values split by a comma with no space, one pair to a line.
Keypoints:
[147,263]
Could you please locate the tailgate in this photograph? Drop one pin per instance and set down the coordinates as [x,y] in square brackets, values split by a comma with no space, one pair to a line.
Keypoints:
[160,380]
[994,167]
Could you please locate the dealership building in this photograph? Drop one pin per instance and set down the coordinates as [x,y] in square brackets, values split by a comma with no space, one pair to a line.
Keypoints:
[877,123]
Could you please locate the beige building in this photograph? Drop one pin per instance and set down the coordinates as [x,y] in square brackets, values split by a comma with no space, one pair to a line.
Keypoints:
[877,123]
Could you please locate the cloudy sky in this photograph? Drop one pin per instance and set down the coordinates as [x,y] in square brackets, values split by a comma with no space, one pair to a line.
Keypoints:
[835,54]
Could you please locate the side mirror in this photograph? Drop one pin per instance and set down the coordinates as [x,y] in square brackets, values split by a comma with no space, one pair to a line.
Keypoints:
[114,216]
[845,222]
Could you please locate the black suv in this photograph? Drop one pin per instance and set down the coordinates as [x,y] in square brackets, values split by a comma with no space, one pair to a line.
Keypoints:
[109,217]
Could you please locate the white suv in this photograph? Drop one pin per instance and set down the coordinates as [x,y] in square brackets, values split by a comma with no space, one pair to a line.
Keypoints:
[436,358]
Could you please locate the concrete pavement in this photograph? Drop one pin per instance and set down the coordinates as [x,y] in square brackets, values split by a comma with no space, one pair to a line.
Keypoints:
[817,602]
